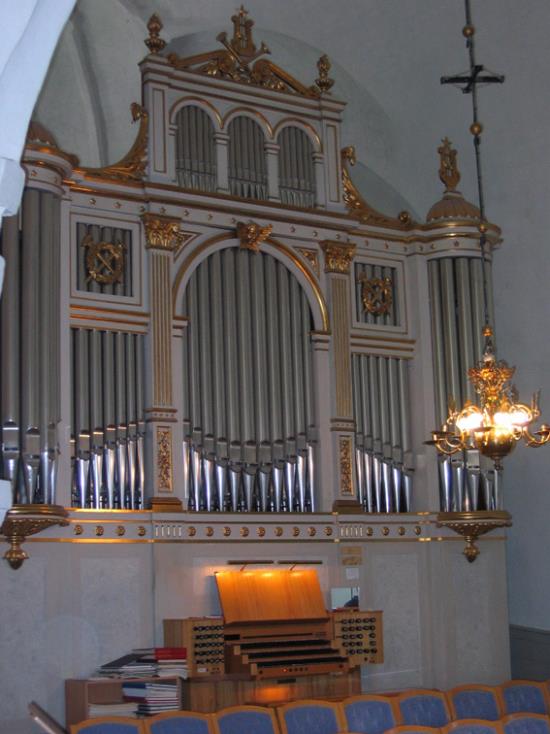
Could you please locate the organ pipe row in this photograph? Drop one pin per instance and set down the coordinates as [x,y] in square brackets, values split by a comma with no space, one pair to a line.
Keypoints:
[383,443]
[108,419]
[296,171]
[195,150]
[112,235]
[247,159]
[30,349]
[249,422]
[456,297]
[366,272]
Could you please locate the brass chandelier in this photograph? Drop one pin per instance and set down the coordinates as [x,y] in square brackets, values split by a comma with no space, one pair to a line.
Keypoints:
[500,421]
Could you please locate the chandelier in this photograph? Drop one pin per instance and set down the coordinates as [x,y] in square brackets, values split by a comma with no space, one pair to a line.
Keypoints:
[500,421]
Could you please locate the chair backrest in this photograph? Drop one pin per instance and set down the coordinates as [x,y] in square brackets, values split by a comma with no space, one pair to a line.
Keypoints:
[311,717]
[179,722]
[475,702]
[246,719]
[473,726]
[526,724]
[423,708]
[414,729]
[369,714]
[109,725]
[520,696]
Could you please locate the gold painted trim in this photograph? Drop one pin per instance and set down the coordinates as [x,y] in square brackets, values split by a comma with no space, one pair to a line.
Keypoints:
[188,262]
[187,102]
[286,122]
[101,541]
[100,309]
[253,113]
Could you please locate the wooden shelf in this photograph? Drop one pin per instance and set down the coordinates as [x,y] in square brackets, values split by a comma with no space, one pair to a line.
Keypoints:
[81,692]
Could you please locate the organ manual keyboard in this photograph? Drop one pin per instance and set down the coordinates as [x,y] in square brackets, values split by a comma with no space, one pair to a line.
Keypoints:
[275,624]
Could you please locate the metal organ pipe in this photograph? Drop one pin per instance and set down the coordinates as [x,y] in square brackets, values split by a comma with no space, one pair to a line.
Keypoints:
[195,149]
[256,318]
[296,168]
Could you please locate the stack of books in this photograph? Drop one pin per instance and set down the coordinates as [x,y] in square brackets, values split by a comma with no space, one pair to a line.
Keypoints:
[170,662]
[124,708]
[152,698]
[129,666]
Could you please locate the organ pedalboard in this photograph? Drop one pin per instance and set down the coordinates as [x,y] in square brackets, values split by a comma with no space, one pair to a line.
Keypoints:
[203,637]
[359,635]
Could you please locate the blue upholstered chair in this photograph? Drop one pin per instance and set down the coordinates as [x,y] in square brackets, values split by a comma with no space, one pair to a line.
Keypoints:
[423,708]
[245,720]
[311,717]
[414,729]
[179,722]
[475,702]
[369,714]
[473,726]
[520,696]
[526,724]
[108,725]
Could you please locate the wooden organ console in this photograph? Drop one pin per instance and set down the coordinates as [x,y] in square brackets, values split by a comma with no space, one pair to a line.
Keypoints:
[275,625]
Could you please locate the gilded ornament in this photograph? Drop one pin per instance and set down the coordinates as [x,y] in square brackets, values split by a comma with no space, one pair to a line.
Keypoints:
[356,205]
[401,530]
[240,61]
[132,166]
[376,294]
[78,529]
[417,530]
[120,531]
[154,43]
[312,257]
[209,531]
[244,532]
[295,531]
[346,482]
[385,531]
[141,531]
[260,532]
[99,530]
[278,531]
[164,458]
[323,82]
[251,235]
[191,531]
[21,521]
[104,260]
[338,256]
[449,174]
[311,531]
[226,531]
[163,233]
[328,531]
[370,531]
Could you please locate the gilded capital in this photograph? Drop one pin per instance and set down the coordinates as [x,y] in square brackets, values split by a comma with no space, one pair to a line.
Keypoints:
[162,233]
[338,256]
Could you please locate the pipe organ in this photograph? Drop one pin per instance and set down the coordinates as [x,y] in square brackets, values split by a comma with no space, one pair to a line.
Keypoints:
[221,322]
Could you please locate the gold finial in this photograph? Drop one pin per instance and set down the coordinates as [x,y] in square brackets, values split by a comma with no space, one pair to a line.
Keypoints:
[448,170]
[324,83]
[154,43]
[242,32]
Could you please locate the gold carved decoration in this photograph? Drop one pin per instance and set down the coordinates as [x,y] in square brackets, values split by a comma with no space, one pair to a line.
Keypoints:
[251,235]
[452,205]
[164,459]
[104,260]
[338,256]
[346,481]
[376,294]
[163,233]
[323,82]
[21,521]
[239,61]
[141,531]
[359,208]
[312,257]
[132,166]
[448,169]
[473,524]
[154,43]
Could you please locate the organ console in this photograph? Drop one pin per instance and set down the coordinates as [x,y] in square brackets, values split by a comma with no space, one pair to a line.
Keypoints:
[275,625]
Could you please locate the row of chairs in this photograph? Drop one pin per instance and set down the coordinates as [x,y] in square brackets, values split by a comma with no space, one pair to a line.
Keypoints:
[364,714]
